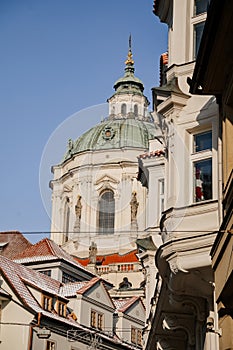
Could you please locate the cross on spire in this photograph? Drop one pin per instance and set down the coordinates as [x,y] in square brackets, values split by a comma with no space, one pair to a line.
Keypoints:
[130,60]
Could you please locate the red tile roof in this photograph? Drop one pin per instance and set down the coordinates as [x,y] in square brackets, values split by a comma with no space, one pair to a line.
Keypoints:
[45,247]
[12,243]
[111,259]
[152,154]
[164,58]
[45,250]
[18,276]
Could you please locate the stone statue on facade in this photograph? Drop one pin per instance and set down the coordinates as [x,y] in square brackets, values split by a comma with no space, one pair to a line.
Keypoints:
[78,214]
[70,146]
[92,253]
[125,284]
[134,208]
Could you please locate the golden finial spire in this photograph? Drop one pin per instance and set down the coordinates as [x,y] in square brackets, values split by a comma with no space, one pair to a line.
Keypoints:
[129,60]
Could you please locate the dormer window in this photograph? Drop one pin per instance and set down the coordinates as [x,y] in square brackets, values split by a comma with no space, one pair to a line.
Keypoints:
[47,302]
[61,308]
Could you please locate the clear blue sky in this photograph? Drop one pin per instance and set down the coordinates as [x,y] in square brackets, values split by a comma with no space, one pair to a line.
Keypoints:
[59,57]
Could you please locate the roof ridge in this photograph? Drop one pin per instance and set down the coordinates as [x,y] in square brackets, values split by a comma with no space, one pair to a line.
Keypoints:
[49,242]
[129,302]
[88,285]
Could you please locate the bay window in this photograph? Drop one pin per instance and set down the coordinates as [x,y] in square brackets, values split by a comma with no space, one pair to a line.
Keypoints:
[202,166]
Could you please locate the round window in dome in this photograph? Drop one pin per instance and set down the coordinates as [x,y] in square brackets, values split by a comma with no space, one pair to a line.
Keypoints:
[108,133]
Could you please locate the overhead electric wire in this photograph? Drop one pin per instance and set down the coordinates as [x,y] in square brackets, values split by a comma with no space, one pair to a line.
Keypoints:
[118,232]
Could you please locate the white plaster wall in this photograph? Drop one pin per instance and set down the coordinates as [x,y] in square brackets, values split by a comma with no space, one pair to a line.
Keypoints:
[12,335]
[87,175]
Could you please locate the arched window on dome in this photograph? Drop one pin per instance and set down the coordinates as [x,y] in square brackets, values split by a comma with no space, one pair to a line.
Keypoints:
[135,110]
[106,212]
[123,109]
[66,220]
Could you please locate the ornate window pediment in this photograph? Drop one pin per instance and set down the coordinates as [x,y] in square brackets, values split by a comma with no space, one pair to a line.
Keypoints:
[106,182]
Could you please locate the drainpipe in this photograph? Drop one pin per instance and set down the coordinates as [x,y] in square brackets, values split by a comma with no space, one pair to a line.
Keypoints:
[220,168]
[30,339]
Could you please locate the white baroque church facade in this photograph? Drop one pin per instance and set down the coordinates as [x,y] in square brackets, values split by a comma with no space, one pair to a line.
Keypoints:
[97,200]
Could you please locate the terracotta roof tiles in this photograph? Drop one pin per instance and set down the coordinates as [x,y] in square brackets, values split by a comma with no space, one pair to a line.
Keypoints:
[46,250]
[164,58]
[152,154]
[12,243]
[111,259]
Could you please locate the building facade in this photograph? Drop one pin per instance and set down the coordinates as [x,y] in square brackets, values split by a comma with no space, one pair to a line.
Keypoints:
[216,56]
[183,303]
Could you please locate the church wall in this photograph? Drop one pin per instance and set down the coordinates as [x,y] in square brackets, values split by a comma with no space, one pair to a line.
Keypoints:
[87,175]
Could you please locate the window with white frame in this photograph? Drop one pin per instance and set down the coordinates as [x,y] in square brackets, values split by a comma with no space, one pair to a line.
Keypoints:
[161,195]
[202,166]
[197,33]
[198,22]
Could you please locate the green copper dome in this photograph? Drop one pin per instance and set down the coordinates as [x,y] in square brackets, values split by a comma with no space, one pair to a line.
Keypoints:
[123,128]
[114,134]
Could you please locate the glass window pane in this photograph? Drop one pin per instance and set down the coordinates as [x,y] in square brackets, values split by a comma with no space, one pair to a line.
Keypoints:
[203,141]
[203,180]
[106,212]
[198,30]
[200,6]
